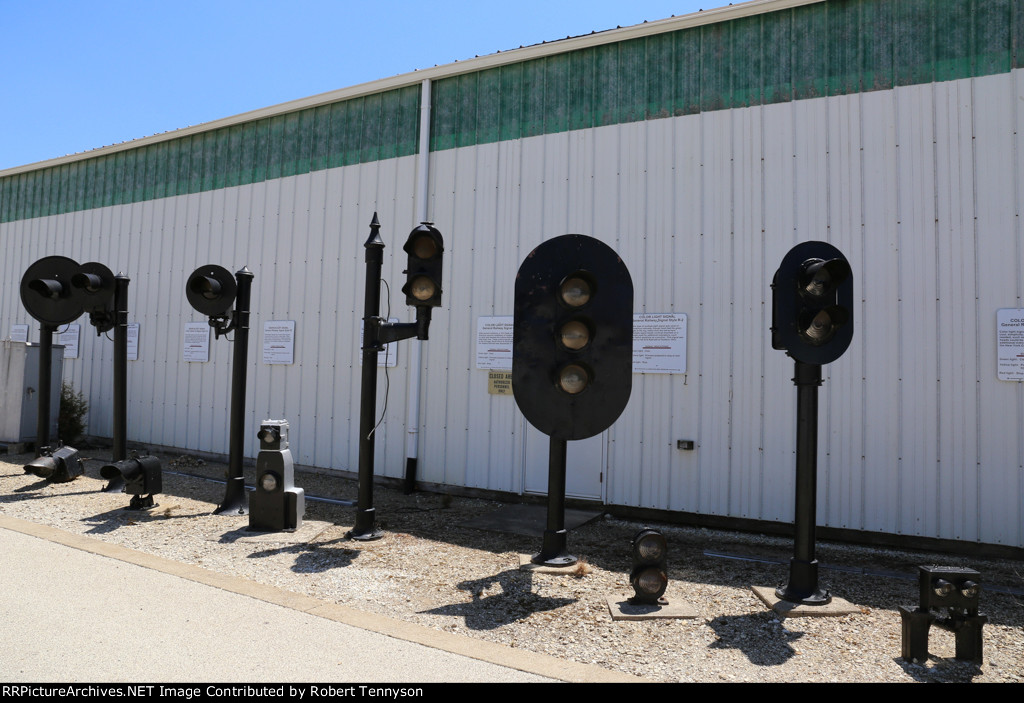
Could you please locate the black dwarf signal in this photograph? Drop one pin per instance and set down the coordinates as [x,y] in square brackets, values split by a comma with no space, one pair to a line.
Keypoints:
[649,577]
[572,355]
[957,592]
[277,505]
[142,477]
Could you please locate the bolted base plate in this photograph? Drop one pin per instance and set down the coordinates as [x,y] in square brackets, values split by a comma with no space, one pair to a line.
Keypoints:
[802,587]
[558,560]
[236,502]
[554,550]
[790,609]
[365,529]
[818,597]
[365,536]
[142,503]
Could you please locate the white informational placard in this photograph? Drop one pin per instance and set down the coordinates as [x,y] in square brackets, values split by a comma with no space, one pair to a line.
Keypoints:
[197,342]
[659,342]
[133,341]
[279,342]
[1010,344]
[494,343]
[69,338]
[19,333]
[388,356]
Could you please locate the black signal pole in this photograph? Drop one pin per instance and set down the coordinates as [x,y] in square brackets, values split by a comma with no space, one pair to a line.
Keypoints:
[802,586]
[45,371]
[120,450]
[235,502]
[554,550]
[376,333]
[366,524]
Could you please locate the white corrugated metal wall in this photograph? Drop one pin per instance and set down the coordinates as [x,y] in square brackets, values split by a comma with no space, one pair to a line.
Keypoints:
[919,185]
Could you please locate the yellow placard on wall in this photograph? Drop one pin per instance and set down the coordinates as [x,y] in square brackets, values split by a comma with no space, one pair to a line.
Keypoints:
[499,382]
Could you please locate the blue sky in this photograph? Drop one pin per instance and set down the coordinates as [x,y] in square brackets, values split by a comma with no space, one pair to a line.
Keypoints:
[80,75]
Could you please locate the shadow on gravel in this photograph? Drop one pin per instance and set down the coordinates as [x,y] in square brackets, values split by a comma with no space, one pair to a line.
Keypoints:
[312,558]
[761,638]
[121,517]
[30,488]
[940,670]
[872,578]
[38,486]
[516,601]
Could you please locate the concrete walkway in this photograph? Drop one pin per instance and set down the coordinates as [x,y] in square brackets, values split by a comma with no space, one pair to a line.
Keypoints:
[75,609]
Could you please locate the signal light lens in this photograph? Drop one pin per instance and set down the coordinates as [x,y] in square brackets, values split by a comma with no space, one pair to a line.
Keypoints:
[816,280]
[89,282]
[824,324]
[576,291]
[820,278]
[820,329]
[422,288]
[423,247]
[573,379]
[651,547]
[43,466]
[46,287]
[207,287]
[575,335]
[650,582]
[269,435]
[268,482]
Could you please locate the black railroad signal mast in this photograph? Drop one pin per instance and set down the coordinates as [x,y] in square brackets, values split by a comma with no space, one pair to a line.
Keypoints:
[212,290]
[105,297]
[47,295]
[56,290]
[425,247]
[812,321]
[572,356]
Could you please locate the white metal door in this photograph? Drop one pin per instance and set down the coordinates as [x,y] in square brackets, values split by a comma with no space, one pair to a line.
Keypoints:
[584,464]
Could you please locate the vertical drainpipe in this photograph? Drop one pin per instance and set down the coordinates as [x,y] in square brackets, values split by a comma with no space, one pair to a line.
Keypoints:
[412,422]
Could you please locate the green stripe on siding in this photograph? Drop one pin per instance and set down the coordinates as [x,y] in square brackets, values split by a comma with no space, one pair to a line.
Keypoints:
[830,48]
[284,145]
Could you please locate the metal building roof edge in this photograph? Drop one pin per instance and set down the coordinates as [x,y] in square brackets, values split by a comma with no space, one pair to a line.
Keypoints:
[558,46]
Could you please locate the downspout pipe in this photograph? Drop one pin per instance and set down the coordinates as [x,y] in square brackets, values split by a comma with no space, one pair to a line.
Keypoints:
[412,422]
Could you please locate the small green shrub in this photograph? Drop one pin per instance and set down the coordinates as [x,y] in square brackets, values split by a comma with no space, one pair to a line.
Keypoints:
[71,420]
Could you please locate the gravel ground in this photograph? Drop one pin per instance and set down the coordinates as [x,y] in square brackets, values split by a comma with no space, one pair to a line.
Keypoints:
[431,570]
